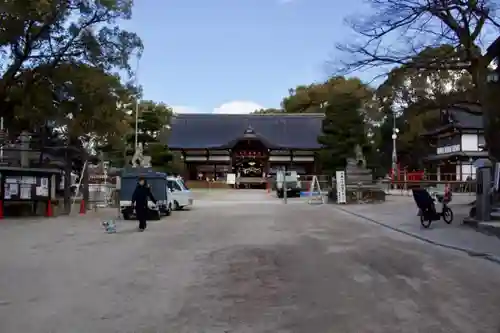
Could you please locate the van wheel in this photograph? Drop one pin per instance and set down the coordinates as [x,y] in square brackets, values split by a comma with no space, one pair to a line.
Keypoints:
[126,217]
[169,210]
[176,206]
[279,194]
[157,215]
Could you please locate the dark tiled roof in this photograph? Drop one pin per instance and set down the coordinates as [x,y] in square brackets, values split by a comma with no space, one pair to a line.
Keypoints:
[12,155]
[466,117]
[202,131]
[461,116]
[468,154]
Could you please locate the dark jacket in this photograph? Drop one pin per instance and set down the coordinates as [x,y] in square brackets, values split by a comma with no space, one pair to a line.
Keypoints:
[141,195]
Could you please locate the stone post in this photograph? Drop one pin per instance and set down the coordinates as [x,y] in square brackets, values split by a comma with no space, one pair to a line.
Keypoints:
[483,189]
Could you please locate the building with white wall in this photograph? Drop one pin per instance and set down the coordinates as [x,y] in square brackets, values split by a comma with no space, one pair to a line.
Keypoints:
[458,140]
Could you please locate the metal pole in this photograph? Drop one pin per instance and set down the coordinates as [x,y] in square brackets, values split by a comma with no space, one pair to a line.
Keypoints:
[394,148]
[137,104]
[117,195]
[285,199]
[394,155]
[3,137]
[394,151]
[105,185]
[136,124]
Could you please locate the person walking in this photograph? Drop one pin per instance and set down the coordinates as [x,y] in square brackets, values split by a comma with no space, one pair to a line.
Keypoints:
[140,202]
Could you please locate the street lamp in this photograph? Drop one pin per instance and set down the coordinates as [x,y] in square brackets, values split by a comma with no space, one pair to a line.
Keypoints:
[136,81]
[394,137]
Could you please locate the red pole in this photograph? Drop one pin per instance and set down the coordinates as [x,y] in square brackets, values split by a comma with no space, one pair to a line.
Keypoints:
[1,209]
[82,207]
[49,209]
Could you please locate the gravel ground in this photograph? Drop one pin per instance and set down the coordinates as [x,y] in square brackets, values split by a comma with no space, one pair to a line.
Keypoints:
[240,261]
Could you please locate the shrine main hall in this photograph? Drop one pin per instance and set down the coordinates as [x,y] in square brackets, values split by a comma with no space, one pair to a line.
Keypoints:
[252,146]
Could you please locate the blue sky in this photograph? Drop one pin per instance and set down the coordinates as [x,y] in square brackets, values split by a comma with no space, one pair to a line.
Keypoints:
[230,56]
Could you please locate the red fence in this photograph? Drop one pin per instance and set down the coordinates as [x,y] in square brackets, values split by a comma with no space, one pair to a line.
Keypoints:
[401,175]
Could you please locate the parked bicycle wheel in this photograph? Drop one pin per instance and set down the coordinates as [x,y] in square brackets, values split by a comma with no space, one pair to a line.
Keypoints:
[447,215]
[425,221]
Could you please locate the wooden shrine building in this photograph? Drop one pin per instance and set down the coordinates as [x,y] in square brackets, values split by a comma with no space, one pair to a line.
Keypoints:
[458,140]
[252,146]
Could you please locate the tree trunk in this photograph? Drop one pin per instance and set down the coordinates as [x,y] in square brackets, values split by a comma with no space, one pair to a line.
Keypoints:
[489,97]
[491,114]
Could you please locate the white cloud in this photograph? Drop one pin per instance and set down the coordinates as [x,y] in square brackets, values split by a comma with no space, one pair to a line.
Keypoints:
[238,107]
[233,107]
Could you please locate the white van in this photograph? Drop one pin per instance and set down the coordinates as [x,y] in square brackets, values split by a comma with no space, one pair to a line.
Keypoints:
[293,184]
[158,184]
[181,195]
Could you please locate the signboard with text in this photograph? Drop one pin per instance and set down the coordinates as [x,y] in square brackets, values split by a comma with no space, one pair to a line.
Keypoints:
[448,149]
[341,188]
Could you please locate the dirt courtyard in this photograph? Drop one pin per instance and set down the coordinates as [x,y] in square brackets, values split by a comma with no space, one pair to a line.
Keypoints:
[239,261]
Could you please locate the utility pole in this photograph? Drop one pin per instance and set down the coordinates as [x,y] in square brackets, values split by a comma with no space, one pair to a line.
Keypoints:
[137,104]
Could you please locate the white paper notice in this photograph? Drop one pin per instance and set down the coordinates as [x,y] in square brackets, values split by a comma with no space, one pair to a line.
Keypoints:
[10,180]
[28,180]
[41,191]
[6,195]
[25,192]
[14,189]
[44,182]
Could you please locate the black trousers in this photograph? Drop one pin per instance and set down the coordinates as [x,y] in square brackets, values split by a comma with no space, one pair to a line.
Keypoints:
[142,214]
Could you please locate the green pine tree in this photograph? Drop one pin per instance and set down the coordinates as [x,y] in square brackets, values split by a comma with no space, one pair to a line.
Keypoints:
[343,129]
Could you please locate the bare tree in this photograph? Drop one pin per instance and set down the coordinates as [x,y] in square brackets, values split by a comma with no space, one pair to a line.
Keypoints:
[397,30]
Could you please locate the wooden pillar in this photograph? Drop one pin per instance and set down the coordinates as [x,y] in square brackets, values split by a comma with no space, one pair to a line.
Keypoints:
[230,162]
[316,166]
[2,191]
[460,164]
[186,170]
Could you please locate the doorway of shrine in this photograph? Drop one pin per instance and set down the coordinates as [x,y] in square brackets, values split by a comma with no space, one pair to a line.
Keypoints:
[249,162]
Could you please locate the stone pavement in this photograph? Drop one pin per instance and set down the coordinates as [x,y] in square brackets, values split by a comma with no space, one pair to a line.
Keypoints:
[249,264]
[400,213]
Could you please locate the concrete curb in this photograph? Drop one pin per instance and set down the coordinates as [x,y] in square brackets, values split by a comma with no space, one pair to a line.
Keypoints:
[483,227]
[470,252]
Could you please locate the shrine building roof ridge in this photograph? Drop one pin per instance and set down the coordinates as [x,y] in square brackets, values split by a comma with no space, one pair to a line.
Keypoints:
[216,131]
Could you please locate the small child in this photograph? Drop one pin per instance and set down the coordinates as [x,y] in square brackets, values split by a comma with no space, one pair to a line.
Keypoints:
[109,226]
